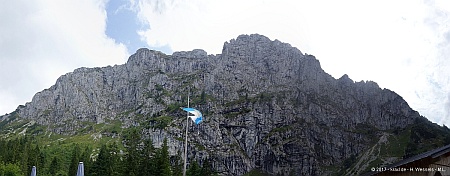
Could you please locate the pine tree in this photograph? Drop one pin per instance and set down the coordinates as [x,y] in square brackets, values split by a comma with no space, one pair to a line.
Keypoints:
[148,166]
[164,160]
[26,154]
[86,159]
[194,169]
[2,150]
[41,158]
[54,166]
[206,169]
[177,166]
[13,154]
[100,166]
[132,159]
[35,157]
[114,164]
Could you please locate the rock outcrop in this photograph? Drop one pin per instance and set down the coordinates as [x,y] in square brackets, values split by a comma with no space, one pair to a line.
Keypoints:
[266,106]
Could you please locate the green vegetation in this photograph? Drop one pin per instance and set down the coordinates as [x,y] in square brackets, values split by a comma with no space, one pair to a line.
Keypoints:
[11,118]
[199,146]
[36,129]
[194,169]
[426,136]
[419,137]
[161,122]
[112,127]
[171,108]
[334,170]
[396,145]
[279,130]
[238,101]
[60,155]
[266,97]
[159,87]
[262,97]
[349,162]
[10,170]
[235,113]
[201,99]
[107,163]
[46,112]
[256,172]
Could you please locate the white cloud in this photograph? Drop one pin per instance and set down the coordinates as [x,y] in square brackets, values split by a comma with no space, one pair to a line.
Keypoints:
[402,45]
[41,40]
[436,71]
[399,44]
[186,25]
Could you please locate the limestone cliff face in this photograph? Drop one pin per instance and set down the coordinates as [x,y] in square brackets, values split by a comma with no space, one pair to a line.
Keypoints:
[266,106]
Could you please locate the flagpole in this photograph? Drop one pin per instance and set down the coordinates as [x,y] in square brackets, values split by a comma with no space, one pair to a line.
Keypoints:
[185,142]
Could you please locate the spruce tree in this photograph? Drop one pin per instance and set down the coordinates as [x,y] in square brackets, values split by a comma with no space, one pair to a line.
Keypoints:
[35,157]
[54,166]
[206,169]
[41,158]
[25,154]
[132,159]
[13,155]
[164,160]
[101,165]
[2,148]
[177,166]
[148,166]
[114,160]
[86,159]
[194,169]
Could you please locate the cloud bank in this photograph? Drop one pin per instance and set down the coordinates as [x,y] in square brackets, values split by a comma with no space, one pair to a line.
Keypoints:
[402,45]
[41,40]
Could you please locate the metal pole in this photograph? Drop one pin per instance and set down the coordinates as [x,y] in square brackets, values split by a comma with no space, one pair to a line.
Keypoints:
[185,142]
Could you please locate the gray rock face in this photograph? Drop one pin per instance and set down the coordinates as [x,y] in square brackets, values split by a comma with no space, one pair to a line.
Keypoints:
[266,106]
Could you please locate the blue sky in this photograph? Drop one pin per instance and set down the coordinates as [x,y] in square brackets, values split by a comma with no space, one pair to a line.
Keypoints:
[402,45]
[123,24]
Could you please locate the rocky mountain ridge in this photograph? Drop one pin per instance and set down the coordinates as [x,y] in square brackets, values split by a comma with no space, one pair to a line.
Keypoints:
[267,106]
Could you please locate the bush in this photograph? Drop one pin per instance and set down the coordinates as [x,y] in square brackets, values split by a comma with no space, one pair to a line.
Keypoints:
[10,170]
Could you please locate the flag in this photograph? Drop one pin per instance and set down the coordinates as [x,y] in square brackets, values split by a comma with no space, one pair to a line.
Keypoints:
[33,171]
[196,115]
[80,171]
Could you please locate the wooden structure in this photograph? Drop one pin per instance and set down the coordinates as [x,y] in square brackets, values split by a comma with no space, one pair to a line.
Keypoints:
[432,163]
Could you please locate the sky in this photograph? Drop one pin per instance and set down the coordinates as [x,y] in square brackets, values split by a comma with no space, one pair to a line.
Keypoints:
[402,45]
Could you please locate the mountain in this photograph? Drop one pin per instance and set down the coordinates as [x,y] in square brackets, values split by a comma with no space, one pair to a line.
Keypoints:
[267,108]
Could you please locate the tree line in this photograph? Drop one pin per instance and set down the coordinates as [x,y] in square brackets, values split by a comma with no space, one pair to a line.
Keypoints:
[138,157]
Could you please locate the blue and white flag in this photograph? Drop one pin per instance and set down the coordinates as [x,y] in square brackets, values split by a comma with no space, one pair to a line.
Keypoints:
[33,171]
[80,171]
[196,115]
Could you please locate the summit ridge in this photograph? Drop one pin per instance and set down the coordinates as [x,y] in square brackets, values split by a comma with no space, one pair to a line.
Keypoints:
[266,106]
